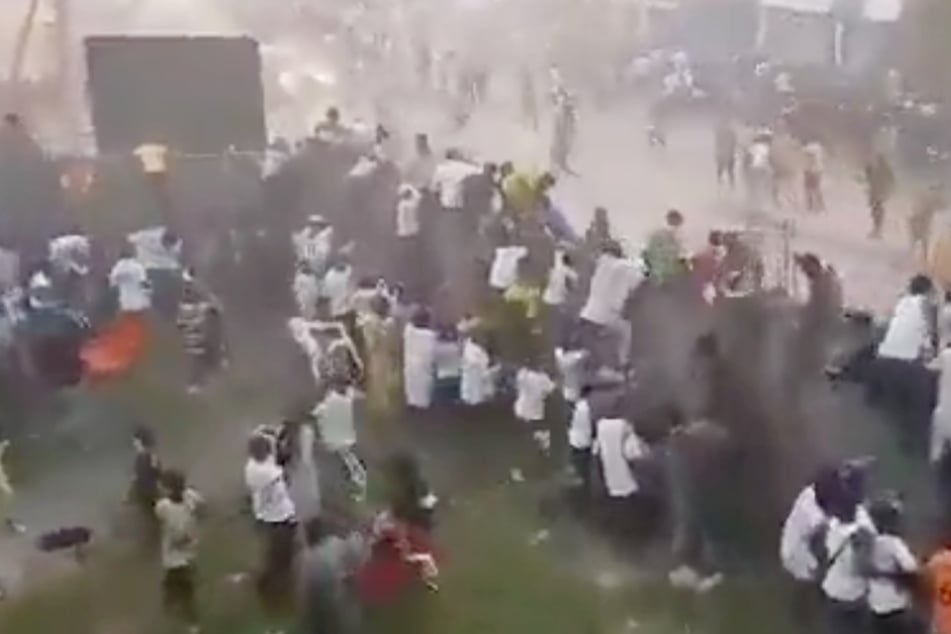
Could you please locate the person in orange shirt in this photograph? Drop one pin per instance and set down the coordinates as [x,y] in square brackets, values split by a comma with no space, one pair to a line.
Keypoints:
[939,574]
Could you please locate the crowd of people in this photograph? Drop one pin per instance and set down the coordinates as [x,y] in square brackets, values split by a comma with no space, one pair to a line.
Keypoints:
[437,285]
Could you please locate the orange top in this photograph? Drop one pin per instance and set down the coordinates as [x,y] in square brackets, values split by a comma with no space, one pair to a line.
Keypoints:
[939,571]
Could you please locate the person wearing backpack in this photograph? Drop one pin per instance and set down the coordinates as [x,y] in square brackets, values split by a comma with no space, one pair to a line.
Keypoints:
[845,582]
[894,572]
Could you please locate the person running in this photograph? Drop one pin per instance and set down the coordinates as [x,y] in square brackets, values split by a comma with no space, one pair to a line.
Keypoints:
[880,182]
[725,144]
[177,512]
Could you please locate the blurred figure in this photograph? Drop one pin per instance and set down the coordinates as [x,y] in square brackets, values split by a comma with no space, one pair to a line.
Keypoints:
[814,166]
[725,144]
[880,183]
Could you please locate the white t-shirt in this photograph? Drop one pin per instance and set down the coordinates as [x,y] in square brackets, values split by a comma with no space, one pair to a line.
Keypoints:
[407,216]
[270,499]
[532,387]
[314,247]
[447,180]
[152,253]
[908,331]
[504,271]
[335,420]
[803,521]
[843,581]
[890,554]
[129,278]
[476,384]
[306,292]
[153,156]
[613,280]
[569,364]
[580,432]
[337,288]
[759,156]
[556,292]
[70,253]
[616,444]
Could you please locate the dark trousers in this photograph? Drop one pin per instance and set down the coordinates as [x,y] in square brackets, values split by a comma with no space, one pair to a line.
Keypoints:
[900,622]
[812,184]
[178,592]
[581,463]
[274,583]
[844,618]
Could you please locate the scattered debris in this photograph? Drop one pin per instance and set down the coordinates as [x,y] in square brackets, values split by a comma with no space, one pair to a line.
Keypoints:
[517,476]
[540,537]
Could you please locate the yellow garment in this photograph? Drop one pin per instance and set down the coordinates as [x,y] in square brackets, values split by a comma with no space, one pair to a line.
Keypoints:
[382,373]
[521,192]
[529,296]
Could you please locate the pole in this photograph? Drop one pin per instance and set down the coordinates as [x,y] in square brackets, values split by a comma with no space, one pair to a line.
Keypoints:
[22,42]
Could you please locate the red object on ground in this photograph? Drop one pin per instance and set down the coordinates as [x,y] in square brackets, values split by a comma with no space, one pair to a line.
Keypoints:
[387,574]
[116,349]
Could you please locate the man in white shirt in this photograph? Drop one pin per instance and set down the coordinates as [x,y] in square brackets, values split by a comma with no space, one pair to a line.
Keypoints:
[306,288]
[408,257]
[338,287]
[338,432]
[560,279]
[570,362]
[314,243]
[533,387]
[160,252]
[275,515]
[504,271]
[899,377]
[615,278]
[909,334]
[894,570]
[581,438]
[131,282]
[448,179]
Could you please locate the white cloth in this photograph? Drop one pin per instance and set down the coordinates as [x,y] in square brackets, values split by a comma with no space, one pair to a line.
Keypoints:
[70,253]
[570,368]
[153,156]
[335,420]
[407,215]
[130,279]
[270,500]
[448,178]
[305,483]
[306,293]
[314,247]
[477,385]
[338,288]
[890,554]
[908,333]
[613,281]
[844,581]
[504,271]
[804,519]
[448,359]
[616,444]
[419,357]
[941,417]
[759,156]
[559,279]
[532,388]
[815,157]
[152,253]
[580,431]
